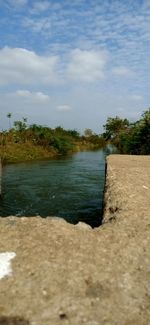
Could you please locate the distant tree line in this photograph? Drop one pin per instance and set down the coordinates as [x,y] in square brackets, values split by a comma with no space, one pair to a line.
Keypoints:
[129,138]
[61,140]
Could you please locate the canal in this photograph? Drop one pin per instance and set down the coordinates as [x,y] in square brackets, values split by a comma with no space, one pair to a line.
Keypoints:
[71,188]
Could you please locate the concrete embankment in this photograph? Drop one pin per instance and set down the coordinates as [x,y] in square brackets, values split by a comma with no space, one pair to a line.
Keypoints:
[57,273]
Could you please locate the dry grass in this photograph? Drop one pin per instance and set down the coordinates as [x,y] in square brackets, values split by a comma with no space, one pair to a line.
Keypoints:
[16,152]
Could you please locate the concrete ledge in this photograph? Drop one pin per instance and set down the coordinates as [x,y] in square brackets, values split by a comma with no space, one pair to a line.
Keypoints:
[57,273]
[127,189]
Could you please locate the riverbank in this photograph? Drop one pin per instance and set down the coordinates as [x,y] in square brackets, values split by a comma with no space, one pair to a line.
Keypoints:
[75,275]
[37,142]
[21,152]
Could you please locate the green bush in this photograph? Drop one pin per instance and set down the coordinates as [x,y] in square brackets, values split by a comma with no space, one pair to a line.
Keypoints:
[62,144]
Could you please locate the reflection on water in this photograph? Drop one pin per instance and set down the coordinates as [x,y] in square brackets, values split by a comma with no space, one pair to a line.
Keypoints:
[71,188]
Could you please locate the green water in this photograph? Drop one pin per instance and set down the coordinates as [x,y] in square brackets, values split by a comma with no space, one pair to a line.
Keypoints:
[71,188]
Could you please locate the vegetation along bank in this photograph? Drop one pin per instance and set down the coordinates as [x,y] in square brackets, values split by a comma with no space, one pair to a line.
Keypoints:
[24,142]
[129,137]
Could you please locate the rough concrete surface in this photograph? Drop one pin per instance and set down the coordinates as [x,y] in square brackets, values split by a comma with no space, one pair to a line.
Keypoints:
[65,274]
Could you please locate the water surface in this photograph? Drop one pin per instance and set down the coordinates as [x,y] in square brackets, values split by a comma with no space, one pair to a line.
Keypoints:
[71,188]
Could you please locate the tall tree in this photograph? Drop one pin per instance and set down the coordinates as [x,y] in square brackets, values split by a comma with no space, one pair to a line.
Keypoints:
[9,115]
[88,132]
[114,126]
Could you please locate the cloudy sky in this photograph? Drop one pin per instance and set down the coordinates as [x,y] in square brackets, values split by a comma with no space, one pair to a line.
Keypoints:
[74,63]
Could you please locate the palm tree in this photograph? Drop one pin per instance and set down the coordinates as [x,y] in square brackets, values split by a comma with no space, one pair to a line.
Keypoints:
[9,115]
[25,119]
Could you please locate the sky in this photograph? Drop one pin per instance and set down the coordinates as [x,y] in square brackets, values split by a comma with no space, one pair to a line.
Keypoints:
[74,63]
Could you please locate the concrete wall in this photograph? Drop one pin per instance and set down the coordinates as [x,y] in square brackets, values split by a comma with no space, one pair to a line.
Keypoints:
[52,272]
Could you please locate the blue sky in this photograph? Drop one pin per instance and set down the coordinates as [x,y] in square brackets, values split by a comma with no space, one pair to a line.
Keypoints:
[74,63]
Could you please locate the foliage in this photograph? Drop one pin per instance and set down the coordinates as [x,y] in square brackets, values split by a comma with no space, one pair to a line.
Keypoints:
[88,132]
[131,138]
[114,126]
[27,142]
[20,126]
[62,144]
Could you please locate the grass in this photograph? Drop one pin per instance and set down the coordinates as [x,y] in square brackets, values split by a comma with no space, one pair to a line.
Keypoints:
[18,152]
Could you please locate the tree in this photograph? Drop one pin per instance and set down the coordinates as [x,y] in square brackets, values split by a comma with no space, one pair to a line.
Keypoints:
[9,115]
[114,126]
[131,138]
[142,131]
[24,119]
[20,126]
[73,133]
[88,132]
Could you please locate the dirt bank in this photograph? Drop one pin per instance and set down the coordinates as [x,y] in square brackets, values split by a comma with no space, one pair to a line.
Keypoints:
[57,273]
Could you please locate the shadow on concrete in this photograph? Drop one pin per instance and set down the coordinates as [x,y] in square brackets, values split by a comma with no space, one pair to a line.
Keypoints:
[13,321]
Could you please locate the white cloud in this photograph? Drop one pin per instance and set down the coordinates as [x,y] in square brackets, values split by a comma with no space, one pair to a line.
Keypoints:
[122,71]
[17,3]
[32,96]
[35,105]
[38,25]
[80,33]
[64,108]
[87,66]
[137,97]
[40,6]
[132,115]
[21,66]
